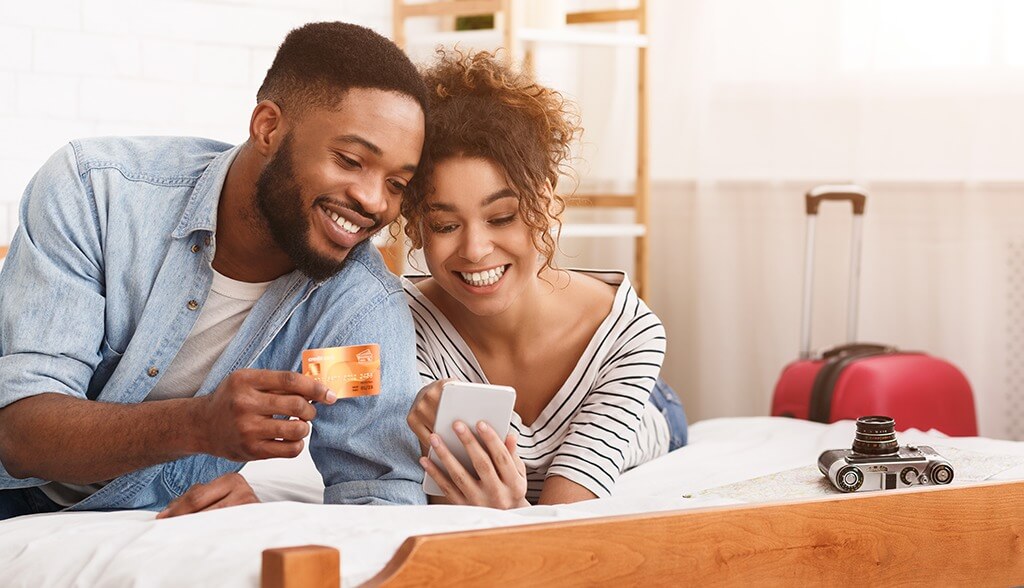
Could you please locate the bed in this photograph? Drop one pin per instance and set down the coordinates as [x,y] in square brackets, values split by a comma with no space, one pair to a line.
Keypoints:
[742,503]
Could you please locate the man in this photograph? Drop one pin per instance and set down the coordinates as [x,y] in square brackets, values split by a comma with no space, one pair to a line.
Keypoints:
[159,292]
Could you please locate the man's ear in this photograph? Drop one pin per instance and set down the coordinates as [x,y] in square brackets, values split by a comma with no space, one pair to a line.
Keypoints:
[266,127]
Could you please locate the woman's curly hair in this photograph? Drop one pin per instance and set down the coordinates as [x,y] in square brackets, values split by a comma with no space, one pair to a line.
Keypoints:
[480,107]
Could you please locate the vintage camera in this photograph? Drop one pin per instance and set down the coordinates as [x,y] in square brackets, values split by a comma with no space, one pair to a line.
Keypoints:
[877,462]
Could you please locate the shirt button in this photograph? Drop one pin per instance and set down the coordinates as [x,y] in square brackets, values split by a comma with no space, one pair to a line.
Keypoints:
[196,249]
[192,304]
[153,372]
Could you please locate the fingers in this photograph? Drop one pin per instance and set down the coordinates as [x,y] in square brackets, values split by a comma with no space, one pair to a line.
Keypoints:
[513,451]
[424,407]
[292,406]
[477,454]
[432,391]
[196,499]
[502,474]
[423,413]
[272,449]
[460,478]
[497,450]
[272,429]
[226,490]
[236,498]
[443,481]
[422,434]
[285,382]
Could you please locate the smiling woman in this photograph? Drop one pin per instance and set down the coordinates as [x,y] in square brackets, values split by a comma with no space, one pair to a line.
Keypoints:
[581,349]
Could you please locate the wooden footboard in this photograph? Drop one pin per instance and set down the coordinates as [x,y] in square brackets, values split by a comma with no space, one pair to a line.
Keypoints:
[961,535]
[967,535]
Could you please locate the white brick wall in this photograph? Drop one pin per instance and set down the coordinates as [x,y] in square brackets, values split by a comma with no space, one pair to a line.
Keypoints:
[75,68]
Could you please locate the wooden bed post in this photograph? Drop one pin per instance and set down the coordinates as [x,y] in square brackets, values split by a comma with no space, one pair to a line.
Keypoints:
[943,536]
[309,566]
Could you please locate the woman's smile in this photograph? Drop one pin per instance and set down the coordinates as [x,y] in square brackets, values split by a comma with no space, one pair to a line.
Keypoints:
[483,279]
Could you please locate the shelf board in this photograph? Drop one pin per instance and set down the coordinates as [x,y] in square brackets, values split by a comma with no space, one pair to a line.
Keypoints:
[447,8]
[580,37]
[565,36]
[578,230]
[601,200]
[603,230]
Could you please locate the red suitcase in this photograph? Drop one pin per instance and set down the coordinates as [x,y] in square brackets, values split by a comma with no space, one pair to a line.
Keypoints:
[860,379]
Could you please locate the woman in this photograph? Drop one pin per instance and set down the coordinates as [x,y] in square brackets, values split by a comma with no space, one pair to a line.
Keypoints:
[581,349]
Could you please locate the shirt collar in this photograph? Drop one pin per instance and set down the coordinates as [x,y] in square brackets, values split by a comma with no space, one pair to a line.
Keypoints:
[201,211]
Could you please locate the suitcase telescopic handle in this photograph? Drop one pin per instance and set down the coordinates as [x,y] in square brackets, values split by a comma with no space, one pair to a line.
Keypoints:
[857,197]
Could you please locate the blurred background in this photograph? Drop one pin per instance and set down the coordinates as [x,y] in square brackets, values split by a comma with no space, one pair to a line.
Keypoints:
[749,103]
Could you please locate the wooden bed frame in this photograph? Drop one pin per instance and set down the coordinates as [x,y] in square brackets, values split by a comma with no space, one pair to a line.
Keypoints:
[961,535]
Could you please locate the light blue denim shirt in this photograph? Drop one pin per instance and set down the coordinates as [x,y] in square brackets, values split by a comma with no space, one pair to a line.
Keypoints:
[116,240]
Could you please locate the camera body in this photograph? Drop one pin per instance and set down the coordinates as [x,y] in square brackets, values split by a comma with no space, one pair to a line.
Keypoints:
[877,462]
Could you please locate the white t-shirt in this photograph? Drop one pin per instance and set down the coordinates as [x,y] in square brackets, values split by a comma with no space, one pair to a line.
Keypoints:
[227,305]
[601,421]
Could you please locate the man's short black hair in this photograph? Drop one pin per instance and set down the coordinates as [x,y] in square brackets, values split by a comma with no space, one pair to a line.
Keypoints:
[318,62]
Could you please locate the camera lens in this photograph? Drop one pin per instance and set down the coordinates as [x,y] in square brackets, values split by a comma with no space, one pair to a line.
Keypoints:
[876,435]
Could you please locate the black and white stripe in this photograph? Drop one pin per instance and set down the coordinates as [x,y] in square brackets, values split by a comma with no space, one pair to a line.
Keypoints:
[601,421]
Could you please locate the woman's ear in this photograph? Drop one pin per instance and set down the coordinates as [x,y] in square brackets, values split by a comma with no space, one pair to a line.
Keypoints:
[266,127]
[554,210]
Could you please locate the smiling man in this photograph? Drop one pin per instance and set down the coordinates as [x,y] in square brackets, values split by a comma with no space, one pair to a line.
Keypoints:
[159,292]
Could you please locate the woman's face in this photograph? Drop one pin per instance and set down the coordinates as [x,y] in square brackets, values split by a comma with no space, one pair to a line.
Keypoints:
[475,244]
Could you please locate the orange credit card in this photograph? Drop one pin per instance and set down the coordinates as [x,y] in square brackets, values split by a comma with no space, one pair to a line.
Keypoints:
[348,371]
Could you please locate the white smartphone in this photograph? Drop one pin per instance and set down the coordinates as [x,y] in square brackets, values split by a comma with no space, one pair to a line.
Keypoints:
[469,403]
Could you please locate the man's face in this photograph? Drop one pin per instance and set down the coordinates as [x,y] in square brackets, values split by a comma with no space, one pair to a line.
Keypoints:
[338,177]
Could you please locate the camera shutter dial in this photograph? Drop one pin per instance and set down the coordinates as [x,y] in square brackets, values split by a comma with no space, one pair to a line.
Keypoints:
[941,474]
[849,479]
[909,476]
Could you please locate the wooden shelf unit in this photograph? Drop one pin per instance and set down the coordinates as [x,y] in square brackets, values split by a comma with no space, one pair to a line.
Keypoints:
[520,43]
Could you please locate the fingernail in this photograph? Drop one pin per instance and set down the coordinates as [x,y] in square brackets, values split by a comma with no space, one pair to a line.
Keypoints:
[331,397]
[435,441]
[483,427]
[459,427]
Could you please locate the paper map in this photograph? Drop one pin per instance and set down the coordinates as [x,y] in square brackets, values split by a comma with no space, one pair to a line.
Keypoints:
[807,482]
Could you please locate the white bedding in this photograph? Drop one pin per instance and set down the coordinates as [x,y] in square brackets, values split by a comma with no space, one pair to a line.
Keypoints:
[222,548]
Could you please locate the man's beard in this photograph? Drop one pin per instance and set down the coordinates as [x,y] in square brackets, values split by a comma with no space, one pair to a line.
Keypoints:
[279,206]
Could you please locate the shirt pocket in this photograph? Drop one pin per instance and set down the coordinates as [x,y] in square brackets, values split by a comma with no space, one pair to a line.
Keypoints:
[109,360]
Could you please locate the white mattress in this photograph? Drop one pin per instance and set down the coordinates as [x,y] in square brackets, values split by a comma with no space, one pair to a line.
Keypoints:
[222,548]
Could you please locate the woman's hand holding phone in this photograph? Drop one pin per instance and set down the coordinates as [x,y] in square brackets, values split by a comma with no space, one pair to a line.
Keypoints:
[500,480]
[423,413]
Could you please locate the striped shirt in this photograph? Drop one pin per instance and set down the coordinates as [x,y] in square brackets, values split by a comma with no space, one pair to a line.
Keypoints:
[600,422]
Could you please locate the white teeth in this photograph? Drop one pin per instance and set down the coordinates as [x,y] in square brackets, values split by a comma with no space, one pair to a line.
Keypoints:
[485,278]
[347,226]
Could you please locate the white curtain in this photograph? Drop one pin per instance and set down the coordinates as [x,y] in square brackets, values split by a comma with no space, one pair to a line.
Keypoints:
[753,102]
